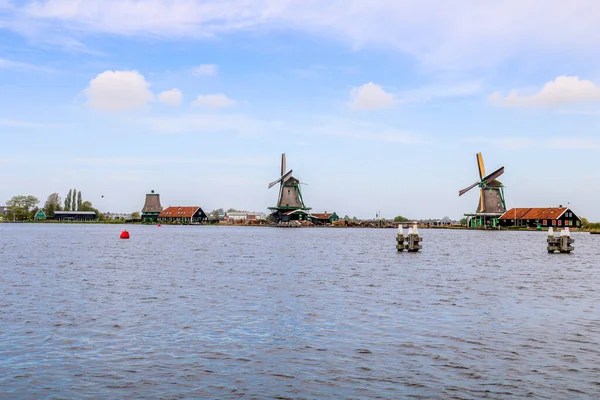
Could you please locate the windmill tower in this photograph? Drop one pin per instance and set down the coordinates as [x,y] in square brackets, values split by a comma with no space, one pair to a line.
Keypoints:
[152,207]
[491,197]
[290,205]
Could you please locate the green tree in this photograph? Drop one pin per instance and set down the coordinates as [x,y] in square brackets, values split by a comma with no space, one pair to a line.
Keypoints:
[135,215]
[400,218]
[87,206]
[346,217]
[53,203]
[68,201]
[463,221]
[74,200]
[79,200]
[20,207]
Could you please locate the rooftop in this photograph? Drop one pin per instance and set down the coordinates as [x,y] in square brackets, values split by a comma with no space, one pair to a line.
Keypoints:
[534,213]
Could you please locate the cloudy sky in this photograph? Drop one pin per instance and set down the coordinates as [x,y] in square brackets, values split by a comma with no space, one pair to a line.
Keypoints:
[379,104]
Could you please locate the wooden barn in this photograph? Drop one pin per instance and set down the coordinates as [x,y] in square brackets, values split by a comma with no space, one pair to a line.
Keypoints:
[182,215]
[556,217]
[75,216]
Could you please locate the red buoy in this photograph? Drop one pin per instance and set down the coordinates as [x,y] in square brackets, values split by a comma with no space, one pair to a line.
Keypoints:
[158,225]
[124,235]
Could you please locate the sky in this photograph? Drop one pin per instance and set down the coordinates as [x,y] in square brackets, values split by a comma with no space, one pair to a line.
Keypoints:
[380,105]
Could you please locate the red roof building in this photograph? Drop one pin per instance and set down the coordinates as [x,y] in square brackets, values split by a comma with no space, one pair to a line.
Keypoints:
[544,217]
[182,215]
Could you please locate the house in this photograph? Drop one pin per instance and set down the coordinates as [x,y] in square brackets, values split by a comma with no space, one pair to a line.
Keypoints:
[236,215]
[555,217]
[324,218]
[40,215]
[182,215]
[117,216]
[75,216]
[255,216]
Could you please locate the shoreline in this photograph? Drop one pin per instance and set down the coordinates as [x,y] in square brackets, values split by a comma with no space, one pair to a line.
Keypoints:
[362,225]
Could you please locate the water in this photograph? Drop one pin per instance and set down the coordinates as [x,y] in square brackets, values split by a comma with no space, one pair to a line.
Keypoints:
[224,312]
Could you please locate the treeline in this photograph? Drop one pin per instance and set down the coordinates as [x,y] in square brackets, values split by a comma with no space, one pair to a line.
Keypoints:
[24,208]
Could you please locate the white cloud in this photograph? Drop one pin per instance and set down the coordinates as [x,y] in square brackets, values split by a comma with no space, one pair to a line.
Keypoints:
[370,96]
[457,34]
[172,97]
[441,91]
[564,90]
[208,124]
[8,64]
[118,91]
[363,130]
[206,70]
[213,101]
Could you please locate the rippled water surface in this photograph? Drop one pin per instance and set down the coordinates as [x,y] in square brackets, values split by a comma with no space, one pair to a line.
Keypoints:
[224,312]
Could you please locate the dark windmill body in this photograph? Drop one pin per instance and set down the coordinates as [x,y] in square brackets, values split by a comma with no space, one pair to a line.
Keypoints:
[152,207]
[491,198]
[290,205]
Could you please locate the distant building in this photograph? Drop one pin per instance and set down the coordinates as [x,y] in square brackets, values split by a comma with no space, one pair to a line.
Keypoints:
[75,216]
[255,216]
[40,215]
[182,215]
[555,217]
[4,210]
[110,215]
[324,218]
[152,207]
[236,215]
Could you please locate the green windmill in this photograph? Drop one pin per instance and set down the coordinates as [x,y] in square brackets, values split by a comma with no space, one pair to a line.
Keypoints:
[290,205]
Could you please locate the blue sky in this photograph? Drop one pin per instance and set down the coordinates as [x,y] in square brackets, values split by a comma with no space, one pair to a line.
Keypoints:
[379,105]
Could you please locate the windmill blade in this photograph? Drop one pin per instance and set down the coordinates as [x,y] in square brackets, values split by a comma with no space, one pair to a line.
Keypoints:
[481,201]
[494,175]
[282,179]
[465,190]
[480,166]
[283,166]
[274,183]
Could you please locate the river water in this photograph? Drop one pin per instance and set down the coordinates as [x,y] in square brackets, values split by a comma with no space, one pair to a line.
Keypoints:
[254,312]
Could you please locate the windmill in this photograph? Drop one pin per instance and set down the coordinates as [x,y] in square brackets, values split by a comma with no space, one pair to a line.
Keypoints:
[491,196]
[290,205]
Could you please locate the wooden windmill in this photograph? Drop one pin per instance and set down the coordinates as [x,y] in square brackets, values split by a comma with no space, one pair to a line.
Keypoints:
[290,205]
[491,195]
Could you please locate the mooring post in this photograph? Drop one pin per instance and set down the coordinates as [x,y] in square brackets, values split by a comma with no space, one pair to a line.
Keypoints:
[562,243]
[566,241]
[413,240]
[400,238]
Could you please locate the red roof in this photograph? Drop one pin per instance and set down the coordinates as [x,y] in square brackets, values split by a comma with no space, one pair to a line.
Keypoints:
[534,213]
[179,212]
[322,216]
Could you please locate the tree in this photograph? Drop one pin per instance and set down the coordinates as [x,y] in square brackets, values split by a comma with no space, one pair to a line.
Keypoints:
[20,207]
[135,215]
[79,200]
[74,200]
[215,213]
[463,221]
[68,201]
[52,204]
[87,206]
[400,218]
[346,217]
